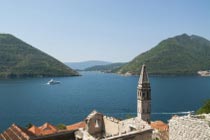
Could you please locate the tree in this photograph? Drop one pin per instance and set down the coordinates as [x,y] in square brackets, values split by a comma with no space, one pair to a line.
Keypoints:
[29,125]
[205,108]
[61,126]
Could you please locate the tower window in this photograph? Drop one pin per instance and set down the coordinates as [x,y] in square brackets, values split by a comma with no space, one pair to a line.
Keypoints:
[96,123]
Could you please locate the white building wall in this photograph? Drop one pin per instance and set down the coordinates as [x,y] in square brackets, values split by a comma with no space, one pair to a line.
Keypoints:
[111,126]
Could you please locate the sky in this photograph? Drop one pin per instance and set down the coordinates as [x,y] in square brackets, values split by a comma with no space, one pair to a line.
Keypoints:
[109,30]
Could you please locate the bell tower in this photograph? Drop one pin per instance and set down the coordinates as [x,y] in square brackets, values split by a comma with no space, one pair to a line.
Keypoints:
[144,96]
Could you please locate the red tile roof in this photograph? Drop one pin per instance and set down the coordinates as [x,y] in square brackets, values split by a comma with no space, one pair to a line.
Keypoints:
[76,126]
[35,130]
[45,129]
[15,132]
[159,125]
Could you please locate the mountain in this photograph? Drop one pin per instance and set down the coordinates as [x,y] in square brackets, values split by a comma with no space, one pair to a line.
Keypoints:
[113,67]
[85,64]
[19,59]
[181,54]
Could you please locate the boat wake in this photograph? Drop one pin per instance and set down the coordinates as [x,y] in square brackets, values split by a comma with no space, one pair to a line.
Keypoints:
[156,113]
[53,82]
[174,113]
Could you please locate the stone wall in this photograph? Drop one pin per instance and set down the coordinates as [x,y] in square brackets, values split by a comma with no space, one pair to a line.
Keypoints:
[191,127]
[138,135]
[95,124]
[111,126]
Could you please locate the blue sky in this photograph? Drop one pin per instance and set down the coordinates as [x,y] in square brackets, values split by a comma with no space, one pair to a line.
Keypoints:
[110,30]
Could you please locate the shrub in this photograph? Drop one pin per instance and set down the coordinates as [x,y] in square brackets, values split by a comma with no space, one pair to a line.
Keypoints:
[61,126]
[205,108]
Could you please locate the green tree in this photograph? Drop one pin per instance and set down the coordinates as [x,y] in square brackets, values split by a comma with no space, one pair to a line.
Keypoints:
[61,126]
[29,125]
[205,108]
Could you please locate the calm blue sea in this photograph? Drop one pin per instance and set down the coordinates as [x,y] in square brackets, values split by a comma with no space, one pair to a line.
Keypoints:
[24,101]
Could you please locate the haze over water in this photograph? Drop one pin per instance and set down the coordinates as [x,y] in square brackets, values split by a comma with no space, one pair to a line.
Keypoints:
[24,101]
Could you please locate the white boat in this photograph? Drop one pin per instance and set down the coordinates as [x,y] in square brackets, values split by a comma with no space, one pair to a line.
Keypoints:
[53,82]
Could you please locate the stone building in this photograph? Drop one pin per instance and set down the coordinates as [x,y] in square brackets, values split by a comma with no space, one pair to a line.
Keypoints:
[144,96]
[99,126]
[95,124]
[190,127]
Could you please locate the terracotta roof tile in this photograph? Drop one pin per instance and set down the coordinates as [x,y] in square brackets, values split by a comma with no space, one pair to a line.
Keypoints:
[47,129]
[76,126]
[35,130]
[24,131]
[159,125]
[1,137]
[15,132]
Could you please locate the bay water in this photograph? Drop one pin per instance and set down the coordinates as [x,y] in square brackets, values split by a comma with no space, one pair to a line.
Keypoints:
[31,100]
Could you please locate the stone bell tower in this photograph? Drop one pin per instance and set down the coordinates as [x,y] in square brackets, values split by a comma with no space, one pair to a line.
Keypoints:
[144,96]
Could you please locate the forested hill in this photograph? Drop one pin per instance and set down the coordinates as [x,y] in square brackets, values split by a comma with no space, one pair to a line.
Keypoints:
[181,54]
[19,59]
[109,68]
[86,64]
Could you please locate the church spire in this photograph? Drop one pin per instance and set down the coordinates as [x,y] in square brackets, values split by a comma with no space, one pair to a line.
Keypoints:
[143,76]
[144,96]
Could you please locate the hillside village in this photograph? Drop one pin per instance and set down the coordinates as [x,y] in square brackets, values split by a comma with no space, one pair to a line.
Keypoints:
[97,126]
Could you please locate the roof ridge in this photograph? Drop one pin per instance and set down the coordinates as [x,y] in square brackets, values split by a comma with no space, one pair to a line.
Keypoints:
[3,136]
[22,132]
[5,132]
[15,133]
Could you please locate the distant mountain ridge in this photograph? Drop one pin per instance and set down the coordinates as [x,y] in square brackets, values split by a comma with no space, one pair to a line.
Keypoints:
[85,64]
[19,59]
[109,68]
[182,54]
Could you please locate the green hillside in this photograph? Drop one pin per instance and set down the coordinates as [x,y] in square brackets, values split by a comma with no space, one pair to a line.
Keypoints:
[113,67]
[19,59]
[182,54]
